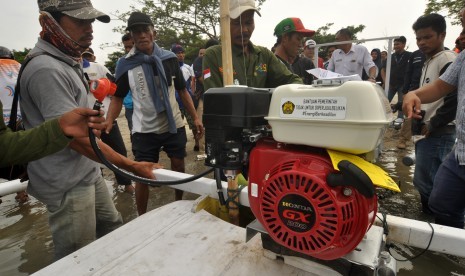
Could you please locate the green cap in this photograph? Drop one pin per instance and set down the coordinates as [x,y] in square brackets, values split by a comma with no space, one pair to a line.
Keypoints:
[292,24]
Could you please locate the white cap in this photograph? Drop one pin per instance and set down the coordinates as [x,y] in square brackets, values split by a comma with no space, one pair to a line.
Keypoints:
[310,43]
[237,7]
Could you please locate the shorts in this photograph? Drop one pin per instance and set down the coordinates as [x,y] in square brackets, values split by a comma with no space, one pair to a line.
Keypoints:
[146,146]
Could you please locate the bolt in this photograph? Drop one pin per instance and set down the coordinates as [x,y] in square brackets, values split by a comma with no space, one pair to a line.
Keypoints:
[347,191]
[385,256]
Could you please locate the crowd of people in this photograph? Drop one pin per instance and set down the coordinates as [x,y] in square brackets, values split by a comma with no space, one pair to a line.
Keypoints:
[159,91]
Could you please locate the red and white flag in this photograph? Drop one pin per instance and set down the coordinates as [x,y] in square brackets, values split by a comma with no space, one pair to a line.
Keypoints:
[206,73]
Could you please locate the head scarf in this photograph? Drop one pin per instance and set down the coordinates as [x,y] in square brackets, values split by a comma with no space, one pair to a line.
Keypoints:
[55,35]
[377,61]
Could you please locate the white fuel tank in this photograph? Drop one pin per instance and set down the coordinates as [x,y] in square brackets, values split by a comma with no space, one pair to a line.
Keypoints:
[350,117]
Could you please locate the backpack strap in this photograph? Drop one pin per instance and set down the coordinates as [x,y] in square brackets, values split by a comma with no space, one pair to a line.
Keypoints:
[14,107]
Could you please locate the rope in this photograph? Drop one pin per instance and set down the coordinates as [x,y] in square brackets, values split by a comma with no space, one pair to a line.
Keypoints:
[235,195]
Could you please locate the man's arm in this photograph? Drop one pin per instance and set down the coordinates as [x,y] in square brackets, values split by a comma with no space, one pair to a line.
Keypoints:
[116,103]
[189,106]
[185,96]
[210,69]
[143,169]
[372,73]
[114,110]
[24,146]
[426,94]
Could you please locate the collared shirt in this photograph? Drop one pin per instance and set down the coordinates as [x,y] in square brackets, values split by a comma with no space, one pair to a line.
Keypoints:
[259,69]
[455,75]
[357,59]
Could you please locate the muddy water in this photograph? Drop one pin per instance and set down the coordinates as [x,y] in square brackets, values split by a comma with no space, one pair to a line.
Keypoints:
[26,246]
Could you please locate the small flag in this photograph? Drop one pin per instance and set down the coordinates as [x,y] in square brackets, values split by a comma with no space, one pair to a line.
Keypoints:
[206,73]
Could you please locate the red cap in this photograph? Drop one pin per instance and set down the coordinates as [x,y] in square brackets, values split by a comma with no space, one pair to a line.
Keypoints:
[292,24]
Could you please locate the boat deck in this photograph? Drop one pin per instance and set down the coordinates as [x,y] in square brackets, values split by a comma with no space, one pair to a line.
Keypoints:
[172,240]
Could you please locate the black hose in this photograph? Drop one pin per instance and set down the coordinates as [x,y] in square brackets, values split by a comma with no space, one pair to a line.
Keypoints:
[121,172]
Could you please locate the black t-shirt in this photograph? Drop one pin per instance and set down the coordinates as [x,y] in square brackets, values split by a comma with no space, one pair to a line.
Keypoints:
[173,73]
[300,67]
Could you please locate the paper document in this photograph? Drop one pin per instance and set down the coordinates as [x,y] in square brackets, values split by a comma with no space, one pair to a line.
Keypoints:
[326,74]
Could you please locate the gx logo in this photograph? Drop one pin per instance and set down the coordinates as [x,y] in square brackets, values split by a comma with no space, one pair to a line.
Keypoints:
[296,216]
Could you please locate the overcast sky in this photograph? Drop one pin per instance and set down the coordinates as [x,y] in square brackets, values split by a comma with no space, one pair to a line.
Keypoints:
[20,27]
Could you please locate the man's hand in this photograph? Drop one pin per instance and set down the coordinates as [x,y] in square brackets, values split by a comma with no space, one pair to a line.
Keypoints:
[145,169]
[200,129]
[108,126]
[76,122]
[412,106]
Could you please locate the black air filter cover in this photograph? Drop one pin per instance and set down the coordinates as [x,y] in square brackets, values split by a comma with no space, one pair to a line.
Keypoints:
[227,112]
[236,106]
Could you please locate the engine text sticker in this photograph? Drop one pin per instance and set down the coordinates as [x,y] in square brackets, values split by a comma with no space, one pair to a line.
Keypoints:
[327,108]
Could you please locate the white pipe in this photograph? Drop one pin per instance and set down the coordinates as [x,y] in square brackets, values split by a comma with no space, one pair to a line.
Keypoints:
[11,187]
[418,234]
[405,231]
[201,186]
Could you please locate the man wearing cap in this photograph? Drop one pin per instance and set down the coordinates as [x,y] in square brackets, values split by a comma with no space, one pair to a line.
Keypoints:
[290,32]
[350,59]
[152,74]
[254,66]
[79,205]
[309,52]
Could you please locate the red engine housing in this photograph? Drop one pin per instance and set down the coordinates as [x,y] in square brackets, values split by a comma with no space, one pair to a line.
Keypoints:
[289,195]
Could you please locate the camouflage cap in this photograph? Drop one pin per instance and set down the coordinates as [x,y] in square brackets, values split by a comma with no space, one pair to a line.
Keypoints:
[80,9]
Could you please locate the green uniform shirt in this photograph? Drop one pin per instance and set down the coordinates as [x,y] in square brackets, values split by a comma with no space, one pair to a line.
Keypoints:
[260,69]
[24,146]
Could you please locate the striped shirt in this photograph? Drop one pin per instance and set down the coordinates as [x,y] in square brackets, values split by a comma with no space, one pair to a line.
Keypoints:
[455,75]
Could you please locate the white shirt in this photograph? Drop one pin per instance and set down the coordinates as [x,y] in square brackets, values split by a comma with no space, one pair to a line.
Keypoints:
[97,71]
[187,71]
[351,63]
